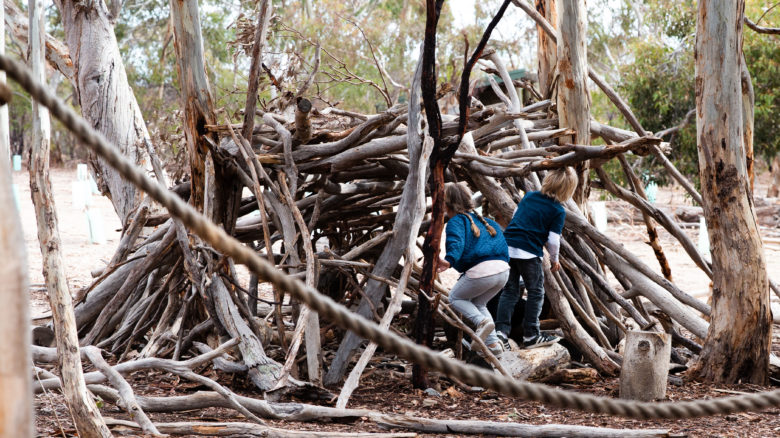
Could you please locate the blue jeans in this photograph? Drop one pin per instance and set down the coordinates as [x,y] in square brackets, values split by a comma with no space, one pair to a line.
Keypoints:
[533,276]
[469,296]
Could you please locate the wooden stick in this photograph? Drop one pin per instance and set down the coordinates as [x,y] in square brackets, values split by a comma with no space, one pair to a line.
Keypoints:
[508,429]
[126,394]
[395,305]
[246,429]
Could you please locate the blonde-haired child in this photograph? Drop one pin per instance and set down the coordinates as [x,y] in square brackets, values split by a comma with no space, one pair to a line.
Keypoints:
[537,222]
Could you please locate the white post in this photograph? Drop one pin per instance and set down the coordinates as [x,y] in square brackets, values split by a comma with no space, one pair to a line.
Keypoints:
[704,238]
[600,215]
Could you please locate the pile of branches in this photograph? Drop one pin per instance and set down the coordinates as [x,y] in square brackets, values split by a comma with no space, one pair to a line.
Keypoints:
[157,296]
[339,199]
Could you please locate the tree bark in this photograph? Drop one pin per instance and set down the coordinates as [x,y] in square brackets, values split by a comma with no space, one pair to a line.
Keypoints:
[738,341]
[196,94]
[573,97]
[85,413]
[5,135]
[104,94]
[546,47]
[748,119]
[15,384]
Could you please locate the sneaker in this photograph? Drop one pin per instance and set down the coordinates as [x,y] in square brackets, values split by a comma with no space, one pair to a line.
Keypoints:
[496,348]
[540,340]
[504,340]
[483,331]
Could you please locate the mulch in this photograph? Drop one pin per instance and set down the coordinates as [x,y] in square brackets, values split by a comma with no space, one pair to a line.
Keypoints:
[391,392]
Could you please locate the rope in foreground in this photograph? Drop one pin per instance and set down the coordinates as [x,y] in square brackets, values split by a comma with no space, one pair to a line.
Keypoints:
[333,311]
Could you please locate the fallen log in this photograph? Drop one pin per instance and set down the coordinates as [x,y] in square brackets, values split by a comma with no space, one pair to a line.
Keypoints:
[243,429]
[536,363]
[509,429]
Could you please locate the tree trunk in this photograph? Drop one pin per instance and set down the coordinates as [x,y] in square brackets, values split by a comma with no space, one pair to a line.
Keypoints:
[104,94]
[16,402]
[774,185]
[196,94]
[573,97]
[85,413]
[546,47]
[5,135]
[738,341]
[208,180]
[748,119]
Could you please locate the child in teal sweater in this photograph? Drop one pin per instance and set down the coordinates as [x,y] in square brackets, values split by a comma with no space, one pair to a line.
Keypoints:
[475,248]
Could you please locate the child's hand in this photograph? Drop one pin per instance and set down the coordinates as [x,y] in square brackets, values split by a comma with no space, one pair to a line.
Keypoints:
[555,267]
[442,266]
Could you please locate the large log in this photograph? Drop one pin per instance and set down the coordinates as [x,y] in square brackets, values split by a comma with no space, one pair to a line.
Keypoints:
[536,363]
[510,429]
[263,371]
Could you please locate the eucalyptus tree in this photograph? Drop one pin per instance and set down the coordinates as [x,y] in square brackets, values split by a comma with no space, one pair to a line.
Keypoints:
[738,342]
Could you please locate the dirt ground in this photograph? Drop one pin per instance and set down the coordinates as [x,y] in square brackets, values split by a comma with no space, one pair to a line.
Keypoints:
[81,257]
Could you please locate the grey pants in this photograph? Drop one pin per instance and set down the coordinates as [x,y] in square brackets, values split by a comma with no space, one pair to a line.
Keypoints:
[469,296]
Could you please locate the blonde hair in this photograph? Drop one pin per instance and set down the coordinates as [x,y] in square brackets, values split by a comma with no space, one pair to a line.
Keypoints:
[560,184]
[457,198]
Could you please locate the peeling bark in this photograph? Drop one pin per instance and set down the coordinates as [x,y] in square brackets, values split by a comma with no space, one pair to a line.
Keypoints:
[104,94]
[573,97]
[737,347]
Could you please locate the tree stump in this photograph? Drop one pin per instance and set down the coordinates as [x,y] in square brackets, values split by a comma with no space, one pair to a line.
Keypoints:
[645,366]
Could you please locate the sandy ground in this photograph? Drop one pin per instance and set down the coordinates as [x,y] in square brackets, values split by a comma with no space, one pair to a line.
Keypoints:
[78,255]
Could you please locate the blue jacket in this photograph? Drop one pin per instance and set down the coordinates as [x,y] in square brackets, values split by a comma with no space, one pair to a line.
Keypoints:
[535,217]
[464,250]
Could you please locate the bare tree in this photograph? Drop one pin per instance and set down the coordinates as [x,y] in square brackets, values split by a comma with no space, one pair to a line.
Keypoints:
[15,383]
[5,138]
[83,409]
[104,95]
[546,47]
[573,97]
[738,341]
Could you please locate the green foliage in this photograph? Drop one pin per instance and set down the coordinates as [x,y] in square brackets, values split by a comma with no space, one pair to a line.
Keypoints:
[762,55]
[659,87]
[653,50]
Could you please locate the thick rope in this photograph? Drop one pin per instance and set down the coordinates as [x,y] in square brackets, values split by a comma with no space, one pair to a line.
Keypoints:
[228,245]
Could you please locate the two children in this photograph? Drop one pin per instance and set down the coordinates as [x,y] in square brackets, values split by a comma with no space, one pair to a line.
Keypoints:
[537,222]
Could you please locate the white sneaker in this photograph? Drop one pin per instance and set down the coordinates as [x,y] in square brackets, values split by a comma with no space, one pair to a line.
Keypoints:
[484,329]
